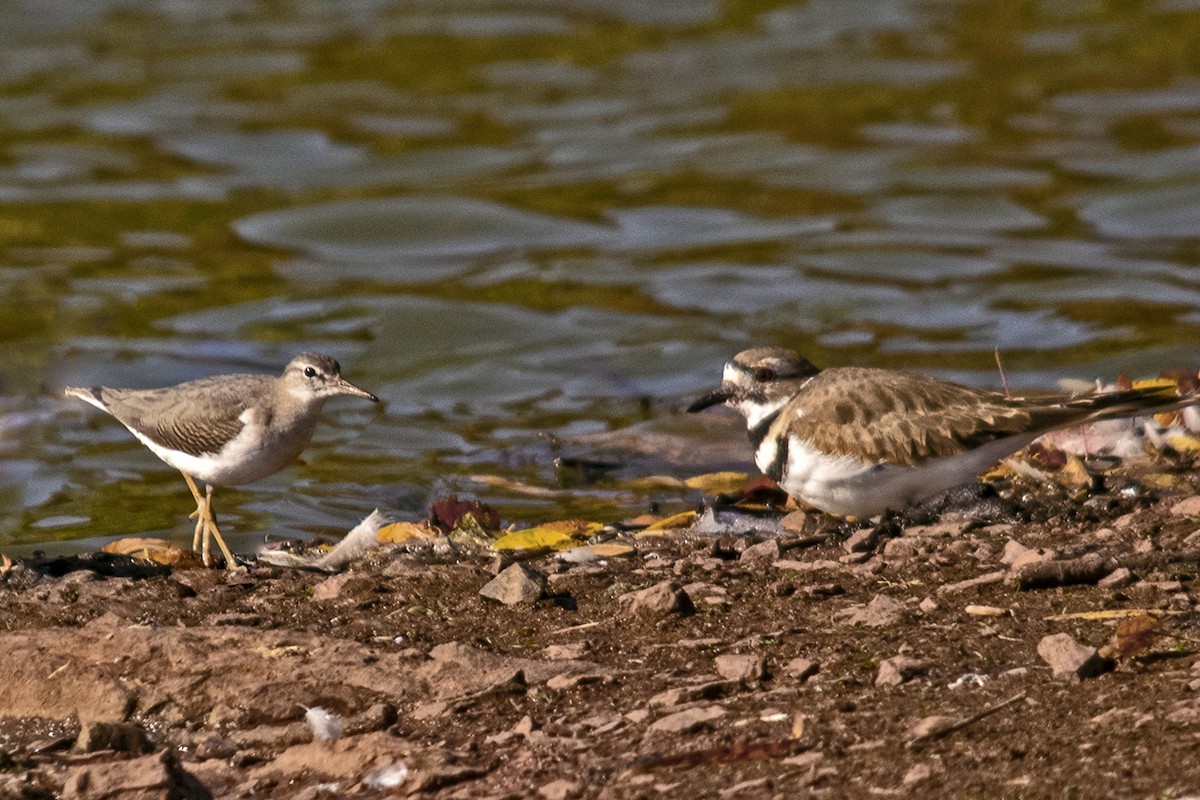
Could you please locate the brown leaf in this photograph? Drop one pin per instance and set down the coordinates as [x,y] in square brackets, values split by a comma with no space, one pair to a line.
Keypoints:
[1136,635]
[446,513]
[1046,457]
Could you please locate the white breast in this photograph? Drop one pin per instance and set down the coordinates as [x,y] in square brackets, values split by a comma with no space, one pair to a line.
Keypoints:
[253,454]
[851,487]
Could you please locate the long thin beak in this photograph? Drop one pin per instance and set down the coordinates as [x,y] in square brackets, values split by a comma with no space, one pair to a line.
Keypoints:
[346,387]
[715,397]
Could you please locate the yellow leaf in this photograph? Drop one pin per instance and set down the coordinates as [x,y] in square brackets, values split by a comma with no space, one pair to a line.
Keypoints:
[560,535]
[1185,443]
[612,550]
[718,482]
[681,520]
[403,532]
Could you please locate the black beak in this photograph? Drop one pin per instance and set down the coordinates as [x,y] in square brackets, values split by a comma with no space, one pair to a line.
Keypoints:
[715,397]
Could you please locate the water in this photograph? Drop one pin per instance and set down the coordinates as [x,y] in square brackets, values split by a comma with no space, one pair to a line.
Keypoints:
[528,226]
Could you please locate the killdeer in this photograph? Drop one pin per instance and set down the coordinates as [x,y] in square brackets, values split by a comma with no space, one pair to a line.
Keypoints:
[857,442]
[227,430]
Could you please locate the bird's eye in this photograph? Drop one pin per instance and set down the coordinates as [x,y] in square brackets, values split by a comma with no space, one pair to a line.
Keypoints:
[764,374]
[309,372]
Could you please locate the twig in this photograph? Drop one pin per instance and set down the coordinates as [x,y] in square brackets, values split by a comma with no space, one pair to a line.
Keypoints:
[580,627]
[971,720]
[1003,379]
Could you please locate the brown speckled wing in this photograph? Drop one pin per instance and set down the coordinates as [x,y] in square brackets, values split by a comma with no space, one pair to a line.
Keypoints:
[904,419]
[196,418]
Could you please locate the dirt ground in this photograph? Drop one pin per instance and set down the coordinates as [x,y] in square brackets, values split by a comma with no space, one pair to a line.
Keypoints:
[790,658]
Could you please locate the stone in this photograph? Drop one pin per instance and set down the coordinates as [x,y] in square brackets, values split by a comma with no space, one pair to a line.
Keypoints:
[687,721]
[153,777]
[899,669]
[862,541]
[760,554]
[1117,579]
[1070,660]
[559,790]
[660,599]
[1012,551]
[801,668]
[1189,507]
[124,737]
[748,668]
[518,583]
[1033,556]
[881,612]
[344,584]
[972,583]
[929,726]
[916,774]
[565,652]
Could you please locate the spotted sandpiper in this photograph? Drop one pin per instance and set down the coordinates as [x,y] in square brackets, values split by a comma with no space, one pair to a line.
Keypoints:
[227,430]
[857,442]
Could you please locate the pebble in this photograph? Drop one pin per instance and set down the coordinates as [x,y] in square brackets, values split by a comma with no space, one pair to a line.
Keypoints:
[517,583]
[661,599]
[916,774]
[899,669]
[688,721]
[747,668]
[801,668]
[1117,579]
[861,541]
[881,612]
[124,737]
[152,777]
[1070,660]
[1187,508]
[559,790]
[761,554]
[1012,551]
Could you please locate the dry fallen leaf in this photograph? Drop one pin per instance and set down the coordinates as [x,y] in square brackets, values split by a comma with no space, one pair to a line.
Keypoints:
[404,531]
[718,482]
[6,563]
[559,535]
[157,551]
[681,520]
[1136,635]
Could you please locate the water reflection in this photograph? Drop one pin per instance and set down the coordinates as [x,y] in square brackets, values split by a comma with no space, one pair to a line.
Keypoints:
[526,226]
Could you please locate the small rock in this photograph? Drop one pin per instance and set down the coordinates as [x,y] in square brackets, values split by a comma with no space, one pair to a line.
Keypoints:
[861,541]
[1012,550]
[1033,556]
[748,668]
[760,554]
[794,521]
[898,549]
[1187,508]
[931,725]
[1069,659]
[881,612]
[661,599]
[559,790]
[152,777]
[899,669]
[689,721]
[1117,579]
[345,584]
[565,652]
[801,668]
[918,773]
[518,583]
[124,737]
[928,605]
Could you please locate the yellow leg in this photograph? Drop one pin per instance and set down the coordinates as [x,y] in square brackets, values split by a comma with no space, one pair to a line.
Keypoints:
[206,526]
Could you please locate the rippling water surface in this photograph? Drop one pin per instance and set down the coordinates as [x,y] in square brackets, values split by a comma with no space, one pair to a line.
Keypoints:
[526,225]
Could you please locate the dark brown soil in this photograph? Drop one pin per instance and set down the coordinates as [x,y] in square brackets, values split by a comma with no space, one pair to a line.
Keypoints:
[578,695]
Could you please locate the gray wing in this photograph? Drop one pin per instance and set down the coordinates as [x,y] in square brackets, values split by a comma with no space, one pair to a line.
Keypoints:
[196,418]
